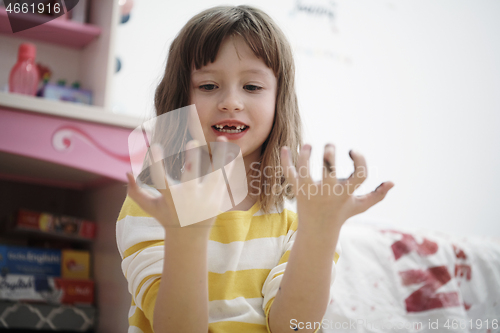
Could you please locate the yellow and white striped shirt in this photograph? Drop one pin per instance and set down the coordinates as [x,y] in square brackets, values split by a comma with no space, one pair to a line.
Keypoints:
[247,256]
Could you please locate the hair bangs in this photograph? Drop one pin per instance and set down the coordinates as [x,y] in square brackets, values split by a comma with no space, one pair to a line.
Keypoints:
[213,27]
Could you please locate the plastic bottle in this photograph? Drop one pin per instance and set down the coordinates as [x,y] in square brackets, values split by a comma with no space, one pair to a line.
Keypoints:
[24,76]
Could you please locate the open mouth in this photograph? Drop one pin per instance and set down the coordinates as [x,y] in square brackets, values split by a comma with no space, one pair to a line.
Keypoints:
[230,129]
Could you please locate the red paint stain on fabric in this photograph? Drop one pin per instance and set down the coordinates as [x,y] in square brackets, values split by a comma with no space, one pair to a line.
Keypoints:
[426,298]
[408,244]
[459,253]
[463,271]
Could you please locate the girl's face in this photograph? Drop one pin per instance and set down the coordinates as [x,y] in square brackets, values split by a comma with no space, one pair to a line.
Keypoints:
[235,96]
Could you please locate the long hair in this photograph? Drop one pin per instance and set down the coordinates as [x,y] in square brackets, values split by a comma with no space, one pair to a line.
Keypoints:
[197,44]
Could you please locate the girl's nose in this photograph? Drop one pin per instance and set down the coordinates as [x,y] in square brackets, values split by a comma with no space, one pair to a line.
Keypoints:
[231,101]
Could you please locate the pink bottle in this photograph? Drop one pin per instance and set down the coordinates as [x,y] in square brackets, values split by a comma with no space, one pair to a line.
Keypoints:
[24,76]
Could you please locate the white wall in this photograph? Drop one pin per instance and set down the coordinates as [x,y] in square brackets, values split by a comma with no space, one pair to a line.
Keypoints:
[412,85]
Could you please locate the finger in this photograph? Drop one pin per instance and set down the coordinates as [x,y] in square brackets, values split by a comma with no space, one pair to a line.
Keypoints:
[157,169]
[303,163]
[170,181]
[360,170]
[140,196]
[214,183]
[329,163]
[219,153]
[192,169]
[363,202]
[160,178]
[211,149]
[229,164]
[288,167]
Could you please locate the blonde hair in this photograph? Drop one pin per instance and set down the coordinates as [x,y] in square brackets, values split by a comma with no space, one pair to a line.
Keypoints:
[198,43]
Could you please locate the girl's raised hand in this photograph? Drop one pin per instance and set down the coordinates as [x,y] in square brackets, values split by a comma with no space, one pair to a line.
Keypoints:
[329,202]
[192,196]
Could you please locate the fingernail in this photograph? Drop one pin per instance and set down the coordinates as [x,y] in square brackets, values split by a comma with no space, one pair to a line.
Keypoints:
[379,186]
[350,153]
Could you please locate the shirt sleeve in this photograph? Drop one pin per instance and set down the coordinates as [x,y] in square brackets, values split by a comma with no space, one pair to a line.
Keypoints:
[140,241]
[273,281]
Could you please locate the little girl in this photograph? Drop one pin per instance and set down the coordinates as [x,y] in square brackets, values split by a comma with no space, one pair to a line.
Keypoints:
[227,273]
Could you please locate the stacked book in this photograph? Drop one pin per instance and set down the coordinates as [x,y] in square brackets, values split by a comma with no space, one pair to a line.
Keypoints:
[45,275]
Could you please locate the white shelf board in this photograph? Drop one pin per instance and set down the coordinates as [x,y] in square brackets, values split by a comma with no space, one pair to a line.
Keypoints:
[89,113]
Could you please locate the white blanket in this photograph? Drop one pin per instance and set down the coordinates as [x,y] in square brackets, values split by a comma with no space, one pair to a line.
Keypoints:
[421,281]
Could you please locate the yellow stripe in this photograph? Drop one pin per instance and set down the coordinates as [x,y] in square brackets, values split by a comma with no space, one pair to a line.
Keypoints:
[131,208]
[268,306]
[144,281]
[227,231]
[293,222]
[232,284]
[229,285]
[266,311]
[336,257]
[230,230]
[149,299]
[141,246]
[230,215]
[235,326]
[139,320]
[278,274]
[284,258]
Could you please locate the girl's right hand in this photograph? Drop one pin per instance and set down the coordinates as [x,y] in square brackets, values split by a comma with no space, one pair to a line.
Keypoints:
[162,207]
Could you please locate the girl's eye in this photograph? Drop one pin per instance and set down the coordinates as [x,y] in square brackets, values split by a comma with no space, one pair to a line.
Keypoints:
[251,87]
[207,87]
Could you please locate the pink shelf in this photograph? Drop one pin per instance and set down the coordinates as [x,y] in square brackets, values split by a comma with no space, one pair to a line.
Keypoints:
[58,31]
[61,152]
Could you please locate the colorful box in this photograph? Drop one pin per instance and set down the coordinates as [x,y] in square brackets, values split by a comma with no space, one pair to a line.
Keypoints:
[75,264]
[61,225]
[46,289]
[30,261]
[61,93]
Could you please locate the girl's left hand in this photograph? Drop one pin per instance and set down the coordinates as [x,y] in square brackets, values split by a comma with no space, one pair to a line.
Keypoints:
[329,202]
